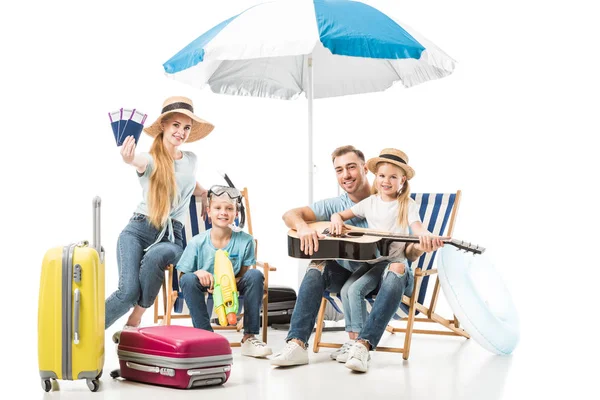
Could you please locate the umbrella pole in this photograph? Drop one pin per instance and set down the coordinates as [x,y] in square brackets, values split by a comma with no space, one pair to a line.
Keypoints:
[310,131]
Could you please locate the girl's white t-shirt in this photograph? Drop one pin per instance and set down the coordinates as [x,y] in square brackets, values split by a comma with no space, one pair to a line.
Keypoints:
[383,216]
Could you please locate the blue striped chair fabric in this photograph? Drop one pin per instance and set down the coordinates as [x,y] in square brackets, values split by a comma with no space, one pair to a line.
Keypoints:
[435,211]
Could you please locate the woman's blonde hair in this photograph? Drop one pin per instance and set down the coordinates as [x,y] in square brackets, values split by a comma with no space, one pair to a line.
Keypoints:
[163,186]
[402,197]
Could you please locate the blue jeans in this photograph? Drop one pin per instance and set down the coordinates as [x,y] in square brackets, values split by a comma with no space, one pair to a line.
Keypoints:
[389,295]
[320,275]
[364,280]
[251,285]
[141,274]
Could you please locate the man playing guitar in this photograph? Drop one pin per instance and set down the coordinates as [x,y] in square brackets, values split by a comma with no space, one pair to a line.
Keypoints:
[351,171]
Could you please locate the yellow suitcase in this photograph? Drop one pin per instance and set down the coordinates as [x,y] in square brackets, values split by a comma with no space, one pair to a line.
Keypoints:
[71,312]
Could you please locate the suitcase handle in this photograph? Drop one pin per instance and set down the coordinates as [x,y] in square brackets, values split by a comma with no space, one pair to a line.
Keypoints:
[208,371]
[144,368]
[76,317]
[97,202]
[170,372]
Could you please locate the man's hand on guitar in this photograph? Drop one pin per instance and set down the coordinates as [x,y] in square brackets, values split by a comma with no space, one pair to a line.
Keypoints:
[309,240]
[428,243]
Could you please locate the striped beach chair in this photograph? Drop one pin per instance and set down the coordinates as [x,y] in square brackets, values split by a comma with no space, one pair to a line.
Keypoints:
[438,213]
[173,303]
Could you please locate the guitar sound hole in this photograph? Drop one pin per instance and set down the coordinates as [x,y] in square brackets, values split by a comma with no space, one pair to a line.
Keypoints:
[326,232]
[354,234]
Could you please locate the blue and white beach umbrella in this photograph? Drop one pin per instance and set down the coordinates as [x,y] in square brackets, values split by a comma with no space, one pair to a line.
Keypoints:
[323,48]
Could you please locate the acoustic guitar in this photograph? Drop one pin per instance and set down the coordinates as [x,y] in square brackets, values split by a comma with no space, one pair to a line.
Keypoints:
[360,244]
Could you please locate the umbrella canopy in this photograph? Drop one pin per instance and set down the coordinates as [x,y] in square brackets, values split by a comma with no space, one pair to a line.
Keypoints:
[263,52]
[323,48]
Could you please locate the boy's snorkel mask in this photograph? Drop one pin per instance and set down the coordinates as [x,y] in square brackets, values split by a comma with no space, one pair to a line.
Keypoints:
[234,194]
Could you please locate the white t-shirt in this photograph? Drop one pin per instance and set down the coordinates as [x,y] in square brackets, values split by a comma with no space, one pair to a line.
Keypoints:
[383,216]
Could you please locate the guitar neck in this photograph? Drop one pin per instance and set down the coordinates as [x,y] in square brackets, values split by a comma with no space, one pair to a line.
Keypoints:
[392,236]
[414,239]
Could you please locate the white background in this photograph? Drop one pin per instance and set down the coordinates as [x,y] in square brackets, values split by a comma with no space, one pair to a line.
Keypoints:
[512,128]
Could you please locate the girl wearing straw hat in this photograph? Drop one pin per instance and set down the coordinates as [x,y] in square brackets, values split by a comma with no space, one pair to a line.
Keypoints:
[153,238]
[389,209]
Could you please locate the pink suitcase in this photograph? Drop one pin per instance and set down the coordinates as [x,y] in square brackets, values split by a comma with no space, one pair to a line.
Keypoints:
[175,356]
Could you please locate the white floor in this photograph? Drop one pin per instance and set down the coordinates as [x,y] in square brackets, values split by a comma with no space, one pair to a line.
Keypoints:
[438,368]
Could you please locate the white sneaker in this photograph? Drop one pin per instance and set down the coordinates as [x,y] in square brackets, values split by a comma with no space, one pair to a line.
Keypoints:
[292,354]
[358,358]
[254,347]
[341,354]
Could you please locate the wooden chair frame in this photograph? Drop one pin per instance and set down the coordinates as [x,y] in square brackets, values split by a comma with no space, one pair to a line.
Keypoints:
[452,325]
[169,296]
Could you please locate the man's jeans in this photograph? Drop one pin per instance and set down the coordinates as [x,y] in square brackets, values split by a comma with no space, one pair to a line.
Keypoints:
[251,285]
[141,273]
[322,275]
[391,289]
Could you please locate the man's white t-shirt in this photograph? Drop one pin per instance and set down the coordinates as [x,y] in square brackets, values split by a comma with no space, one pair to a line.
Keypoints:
[383,216]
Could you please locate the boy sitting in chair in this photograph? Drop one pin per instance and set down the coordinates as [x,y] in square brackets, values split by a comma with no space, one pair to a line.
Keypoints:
[197,266]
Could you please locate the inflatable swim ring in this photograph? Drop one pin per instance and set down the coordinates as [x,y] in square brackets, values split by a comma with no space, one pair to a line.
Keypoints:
[479,299]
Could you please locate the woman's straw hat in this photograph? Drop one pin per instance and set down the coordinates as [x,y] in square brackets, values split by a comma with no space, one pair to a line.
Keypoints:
[182,105]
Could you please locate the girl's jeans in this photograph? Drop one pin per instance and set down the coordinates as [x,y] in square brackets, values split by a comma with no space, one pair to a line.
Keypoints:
[363,281]
[141,274]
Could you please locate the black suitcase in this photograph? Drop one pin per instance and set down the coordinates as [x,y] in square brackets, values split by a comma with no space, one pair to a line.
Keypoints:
[282,300]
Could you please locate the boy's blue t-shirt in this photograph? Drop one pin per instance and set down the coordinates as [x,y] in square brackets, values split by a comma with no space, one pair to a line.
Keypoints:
[200,253]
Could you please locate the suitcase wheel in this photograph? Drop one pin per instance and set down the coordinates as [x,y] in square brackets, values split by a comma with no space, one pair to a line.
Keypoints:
[115,374]
[93,384]
[49,385]
[46,385]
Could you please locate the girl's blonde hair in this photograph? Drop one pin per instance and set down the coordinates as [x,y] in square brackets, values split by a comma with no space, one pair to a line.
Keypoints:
[163,186]
[402,197]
